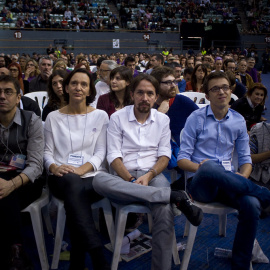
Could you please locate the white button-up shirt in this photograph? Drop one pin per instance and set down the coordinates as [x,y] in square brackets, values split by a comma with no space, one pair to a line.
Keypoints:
[139,145]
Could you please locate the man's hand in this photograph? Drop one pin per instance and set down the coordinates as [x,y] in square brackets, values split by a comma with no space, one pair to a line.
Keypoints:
[164,106]
[201,163]
[6,187]
[241,174]
[143,180]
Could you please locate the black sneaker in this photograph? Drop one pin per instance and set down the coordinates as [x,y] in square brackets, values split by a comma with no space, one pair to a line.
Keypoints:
[193,213]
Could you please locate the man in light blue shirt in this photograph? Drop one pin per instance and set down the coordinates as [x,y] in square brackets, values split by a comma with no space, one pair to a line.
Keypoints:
[211,136]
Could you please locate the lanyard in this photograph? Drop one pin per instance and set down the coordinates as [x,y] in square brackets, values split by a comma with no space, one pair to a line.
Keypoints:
[6,145]
[83,132]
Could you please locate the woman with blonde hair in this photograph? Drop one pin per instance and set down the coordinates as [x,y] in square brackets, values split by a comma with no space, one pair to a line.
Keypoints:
[59,64]
[31,70]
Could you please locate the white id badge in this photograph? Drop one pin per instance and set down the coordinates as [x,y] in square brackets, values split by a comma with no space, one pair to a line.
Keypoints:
[227,165]
[75,159]
[18,161]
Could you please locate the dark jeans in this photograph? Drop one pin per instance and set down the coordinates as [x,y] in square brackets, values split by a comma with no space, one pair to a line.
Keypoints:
[212,183]
[78,195]
[10,211]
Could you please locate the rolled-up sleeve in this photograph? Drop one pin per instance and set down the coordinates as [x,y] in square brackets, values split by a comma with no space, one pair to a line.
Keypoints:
[188,140]
[164,147]
[242,145]
[49,145]
[35,149]
[114,140]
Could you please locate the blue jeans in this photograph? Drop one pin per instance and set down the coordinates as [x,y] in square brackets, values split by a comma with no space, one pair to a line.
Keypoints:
[213,183]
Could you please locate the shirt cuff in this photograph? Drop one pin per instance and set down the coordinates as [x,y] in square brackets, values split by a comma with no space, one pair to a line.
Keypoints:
[111,157]
[164,151]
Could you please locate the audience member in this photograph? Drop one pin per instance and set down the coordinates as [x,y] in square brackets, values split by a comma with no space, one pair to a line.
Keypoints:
[55,93]
[251,107]
[40,82]
[20,184]
[138,165]
[16,72]
[206,153]
[119,95]
[71,176]
[197,79]
[103,86]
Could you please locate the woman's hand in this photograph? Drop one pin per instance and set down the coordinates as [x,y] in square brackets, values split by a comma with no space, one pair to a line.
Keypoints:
[79,171]
[28,72]
[62,170]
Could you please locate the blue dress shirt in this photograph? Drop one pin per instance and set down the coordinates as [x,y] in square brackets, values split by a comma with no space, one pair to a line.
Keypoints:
[206,137]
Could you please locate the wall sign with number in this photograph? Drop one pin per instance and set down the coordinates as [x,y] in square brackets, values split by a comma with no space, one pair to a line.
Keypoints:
[146,37]
[18,34]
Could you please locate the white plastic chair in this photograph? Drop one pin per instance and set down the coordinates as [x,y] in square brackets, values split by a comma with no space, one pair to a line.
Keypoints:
[34,209]
[120,221]
[209,208]
[196,95]
[61,221]
[41,97]
[234,97]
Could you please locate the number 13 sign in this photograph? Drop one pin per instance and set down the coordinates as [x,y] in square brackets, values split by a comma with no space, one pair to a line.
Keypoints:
[18,34]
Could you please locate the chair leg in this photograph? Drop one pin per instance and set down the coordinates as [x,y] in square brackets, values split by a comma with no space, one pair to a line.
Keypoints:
[95,215]
[121,219]
[60,227]
[150,222]
[189,246]
[107,210]
[47,219]
[222,224]
[36,219]
[187,225]
[174,250]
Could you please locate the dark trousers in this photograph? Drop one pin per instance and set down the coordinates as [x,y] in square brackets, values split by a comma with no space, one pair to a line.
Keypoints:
[10,211]
[78,195]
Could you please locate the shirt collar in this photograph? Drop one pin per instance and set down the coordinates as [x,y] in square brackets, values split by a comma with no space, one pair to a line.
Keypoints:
[132,117]
[250,103]
[209,112]
[17,119]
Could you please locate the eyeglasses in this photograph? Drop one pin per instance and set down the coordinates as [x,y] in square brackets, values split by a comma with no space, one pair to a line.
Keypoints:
[7,92]
[169,83]
[14,70]
[217,89]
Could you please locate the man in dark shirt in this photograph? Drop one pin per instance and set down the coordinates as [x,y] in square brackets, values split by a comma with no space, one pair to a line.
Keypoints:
[21,153]
[40,82]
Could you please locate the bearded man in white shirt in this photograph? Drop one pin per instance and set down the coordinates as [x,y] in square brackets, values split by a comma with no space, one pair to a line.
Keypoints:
[138,150]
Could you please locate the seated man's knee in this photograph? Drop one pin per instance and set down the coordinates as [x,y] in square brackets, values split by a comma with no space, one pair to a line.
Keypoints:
[249,207]
[99,179]
[208,166]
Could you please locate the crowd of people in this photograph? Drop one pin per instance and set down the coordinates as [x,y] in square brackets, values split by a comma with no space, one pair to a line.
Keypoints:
[142,15]
[87,15]
[126,111]
[258,18]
